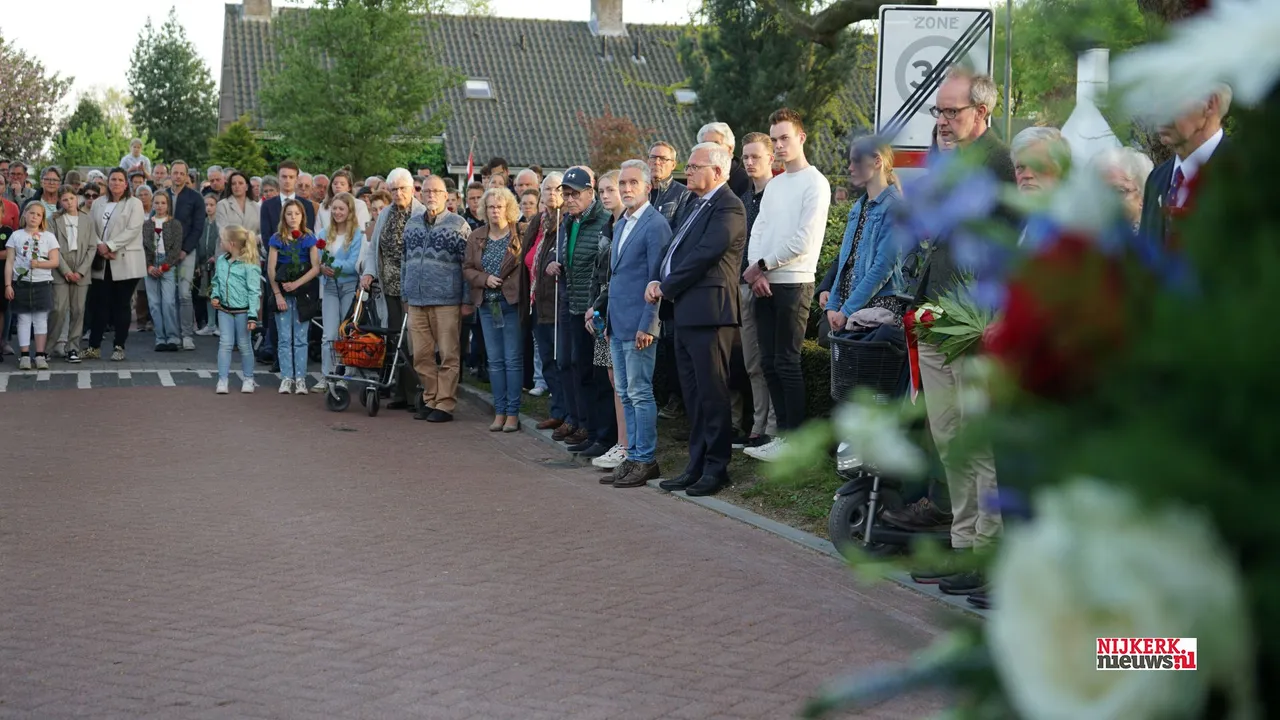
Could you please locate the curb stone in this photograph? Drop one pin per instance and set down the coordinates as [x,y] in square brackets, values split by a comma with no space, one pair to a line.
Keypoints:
[760,522]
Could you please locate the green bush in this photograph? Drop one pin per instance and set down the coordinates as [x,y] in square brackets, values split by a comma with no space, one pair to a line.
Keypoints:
[831,240]
[815,364]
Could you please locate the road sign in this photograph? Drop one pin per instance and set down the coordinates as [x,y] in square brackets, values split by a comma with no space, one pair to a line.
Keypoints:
[918,44]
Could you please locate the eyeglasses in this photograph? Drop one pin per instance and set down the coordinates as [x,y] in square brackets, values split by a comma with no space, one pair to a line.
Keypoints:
[436,191]
[949,113]
[662,159]
[570,194]
[691,167]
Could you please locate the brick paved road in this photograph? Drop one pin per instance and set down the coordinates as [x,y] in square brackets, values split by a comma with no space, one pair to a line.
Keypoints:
[287,562]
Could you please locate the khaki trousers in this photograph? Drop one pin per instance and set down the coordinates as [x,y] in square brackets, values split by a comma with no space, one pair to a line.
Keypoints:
[970,479]
[432,329]
[68,298]
[764,421]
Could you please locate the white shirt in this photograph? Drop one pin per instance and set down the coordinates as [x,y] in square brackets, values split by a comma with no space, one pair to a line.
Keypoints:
[631,223]
[159,236]
[1190,166]
[26,248]
[789,229]
[73,230]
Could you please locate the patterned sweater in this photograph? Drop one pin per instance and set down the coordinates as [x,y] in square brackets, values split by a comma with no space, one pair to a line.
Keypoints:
[431,272]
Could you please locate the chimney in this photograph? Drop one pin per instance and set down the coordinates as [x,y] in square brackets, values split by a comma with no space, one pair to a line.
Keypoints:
[1093,74]
[257,9]
[606,18]
[1087,131]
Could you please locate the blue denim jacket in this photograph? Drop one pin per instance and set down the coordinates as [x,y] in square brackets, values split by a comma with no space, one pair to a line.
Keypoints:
[345,259]
[878,270]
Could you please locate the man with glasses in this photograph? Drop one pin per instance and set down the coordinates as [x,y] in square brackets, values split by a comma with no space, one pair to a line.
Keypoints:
[667,196]
[17,190]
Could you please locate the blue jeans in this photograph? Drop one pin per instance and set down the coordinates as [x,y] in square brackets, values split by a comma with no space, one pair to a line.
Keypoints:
[162,301]
[505,349]
[233,329]
[336,298]
[544,335]
[291,332]
[633,378]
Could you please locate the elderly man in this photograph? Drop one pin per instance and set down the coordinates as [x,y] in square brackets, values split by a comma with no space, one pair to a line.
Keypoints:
[189,210]
[432,287]
[526,180]
[18,192]
[583,238]
[306,187]
[720,134]
[640,236]
[382,257]
[217,180]
[319,188]
[699,275]
[1194,136]
[1041,159]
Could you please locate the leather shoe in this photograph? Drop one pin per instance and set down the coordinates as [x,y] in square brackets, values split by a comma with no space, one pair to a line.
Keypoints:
[980,599]
[934,575]
[577,438]
[550,424]
[640,474]
[708,485]
[423,413]
[965,583]
[563,432]
[439,416]
[595,450]
[680,482]
[577,447]
[617,473]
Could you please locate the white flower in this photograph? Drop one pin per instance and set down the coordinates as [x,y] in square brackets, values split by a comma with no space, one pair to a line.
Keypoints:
[926,307]
[874,434]
[1233,42]
[1095,564]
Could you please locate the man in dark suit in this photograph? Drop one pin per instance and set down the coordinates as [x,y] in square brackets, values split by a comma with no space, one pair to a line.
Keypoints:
[700,277]
[188,210]
[268,224]
[1194,137]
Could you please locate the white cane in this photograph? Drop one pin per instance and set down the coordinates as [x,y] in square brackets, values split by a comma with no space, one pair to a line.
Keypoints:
[555,344]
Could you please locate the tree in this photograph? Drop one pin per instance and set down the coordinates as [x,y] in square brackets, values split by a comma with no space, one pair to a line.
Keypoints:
[826,26]
[236,147]
[114,104]
[356,82]
[100,146]
[87,115]
[28,99]
[174,98]
[612,139]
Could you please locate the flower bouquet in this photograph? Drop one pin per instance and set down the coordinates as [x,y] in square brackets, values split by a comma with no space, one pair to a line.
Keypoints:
[955,324]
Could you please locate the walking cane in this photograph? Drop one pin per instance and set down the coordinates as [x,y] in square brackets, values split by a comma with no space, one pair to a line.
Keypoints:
[555,344]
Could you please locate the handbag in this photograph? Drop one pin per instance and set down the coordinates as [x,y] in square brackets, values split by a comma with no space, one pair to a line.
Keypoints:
[359,349]
[307,300]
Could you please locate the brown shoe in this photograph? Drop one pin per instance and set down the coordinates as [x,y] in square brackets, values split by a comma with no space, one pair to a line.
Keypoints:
[577,438]
[550,424]
[562,432]
[641,474]
[621,471]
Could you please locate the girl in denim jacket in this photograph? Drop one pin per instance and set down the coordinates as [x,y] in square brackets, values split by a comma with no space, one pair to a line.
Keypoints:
[236,294]
[340,243]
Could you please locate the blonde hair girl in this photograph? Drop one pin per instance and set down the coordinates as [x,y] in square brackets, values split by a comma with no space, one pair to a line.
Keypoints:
[31,257]
[236,296]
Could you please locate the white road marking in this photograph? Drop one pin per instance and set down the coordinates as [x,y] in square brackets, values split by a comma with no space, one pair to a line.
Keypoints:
[4,382]
[42,376]
[83,381]
[204,374]
[166,379]
[124,374]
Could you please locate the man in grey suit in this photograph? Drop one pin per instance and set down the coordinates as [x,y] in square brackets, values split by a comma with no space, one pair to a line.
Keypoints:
[640,239]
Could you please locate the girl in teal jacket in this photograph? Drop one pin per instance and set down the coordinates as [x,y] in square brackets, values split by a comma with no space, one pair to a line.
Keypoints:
[236,295]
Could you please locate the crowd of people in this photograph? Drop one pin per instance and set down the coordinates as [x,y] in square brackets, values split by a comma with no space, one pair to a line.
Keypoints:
[581,284]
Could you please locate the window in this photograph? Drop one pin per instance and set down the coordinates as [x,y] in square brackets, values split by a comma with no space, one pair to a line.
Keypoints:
[477,89]
[685,96]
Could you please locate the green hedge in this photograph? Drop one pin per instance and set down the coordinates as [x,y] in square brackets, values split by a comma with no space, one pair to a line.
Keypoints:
[815,363]
[831,239]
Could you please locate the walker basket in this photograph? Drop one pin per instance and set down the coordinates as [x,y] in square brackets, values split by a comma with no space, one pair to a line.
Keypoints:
[359,350]
[878,365]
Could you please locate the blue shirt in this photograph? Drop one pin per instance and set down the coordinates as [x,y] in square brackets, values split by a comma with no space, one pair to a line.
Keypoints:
[344,257]
[296,252]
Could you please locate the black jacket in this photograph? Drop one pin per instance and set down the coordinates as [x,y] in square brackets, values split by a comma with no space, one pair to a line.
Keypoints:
[739,181]
[188,209]
[703,282]
[670,201]
[1154,224]
[269,216]
[578,286]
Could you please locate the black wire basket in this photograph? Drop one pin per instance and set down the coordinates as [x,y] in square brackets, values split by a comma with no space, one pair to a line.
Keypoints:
[878,365]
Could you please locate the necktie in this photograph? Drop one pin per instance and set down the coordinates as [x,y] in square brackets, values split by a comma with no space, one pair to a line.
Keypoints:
[1175,190]
[666,263]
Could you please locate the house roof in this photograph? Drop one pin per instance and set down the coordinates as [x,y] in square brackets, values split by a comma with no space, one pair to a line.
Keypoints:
[542,74]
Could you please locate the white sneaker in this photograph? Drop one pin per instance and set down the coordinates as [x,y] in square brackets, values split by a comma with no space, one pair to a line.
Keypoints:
[320,387]
[24,363]
[769,452]
[248,386]
[300,386]
[42,363]
[222,388]
[188,344]
[286,386]
[205,331]
[538,391]
[611,459]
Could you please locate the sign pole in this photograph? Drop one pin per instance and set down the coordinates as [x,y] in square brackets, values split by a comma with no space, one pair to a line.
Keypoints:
[1008,71]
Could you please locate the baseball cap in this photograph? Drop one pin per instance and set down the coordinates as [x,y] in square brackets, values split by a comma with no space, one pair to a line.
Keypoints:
[576,178]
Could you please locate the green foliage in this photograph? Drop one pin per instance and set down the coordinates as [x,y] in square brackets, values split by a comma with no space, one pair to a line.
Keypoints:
[88,114]
[958,327]
[355,82]
[28,100]
[101,146]
[745,62]
[611,139]
[174,97]
[815,364]
[237,148]
[432,156]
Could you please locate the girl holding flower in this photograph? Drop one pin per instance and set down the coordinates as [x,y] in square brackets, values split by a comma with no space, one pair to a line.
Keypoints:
[30,259]
[161,241]
[340,244]
[293,261]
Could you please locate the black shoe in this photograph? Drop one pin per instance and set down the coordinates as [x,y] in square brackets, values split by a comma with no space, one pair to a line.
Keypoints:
[423,413]
[640,475]
[582,446]
[439,416]
[275,366]
[73,356]
[596,450]
[920,516]
[759,440]
[964,583]
[708,485]
[680,482]
[740,441]
[934,575]
[980,599]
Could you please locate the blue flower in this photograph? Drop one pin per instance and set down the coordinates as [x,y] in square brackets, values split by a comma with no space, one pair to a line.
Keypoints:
[1009,502]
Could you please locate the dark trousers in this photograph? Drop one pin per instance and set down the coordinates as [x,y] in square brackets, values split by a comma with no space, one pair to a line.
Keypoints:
[702,358]
[561,409]
[594,394]
[781,320]
[110,299]
[406,387]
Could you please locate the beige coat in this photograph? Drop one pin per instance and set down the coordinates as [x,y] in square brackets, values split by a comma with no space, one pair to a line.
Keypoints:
[228,214]
[123,235]
[81,259]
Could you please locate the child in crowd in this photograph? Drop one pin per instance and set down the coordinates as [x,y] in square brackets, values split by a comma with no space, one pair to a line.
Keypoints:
[30,259]
[293,261]
[235,293]
[162,241]
[343,241]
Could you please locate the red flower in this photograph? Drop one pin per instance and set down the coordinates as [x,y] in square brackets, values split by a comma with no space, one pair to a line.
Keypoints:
[296,234]
[164,268]
[320,244]
[1063,315]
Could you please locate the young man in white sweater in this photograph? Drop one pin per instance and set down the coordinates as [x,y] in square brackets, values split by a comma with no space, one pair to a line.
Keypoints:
[782,257]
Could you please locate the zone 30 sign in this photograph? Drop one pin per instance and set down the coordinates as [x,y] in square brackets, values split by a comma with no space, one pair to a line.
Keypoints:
[918,44]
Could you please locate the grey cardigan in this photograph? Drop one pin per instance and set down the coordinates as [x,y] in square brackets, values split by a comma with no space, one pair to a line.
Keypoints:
[368,262]
[172,234]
